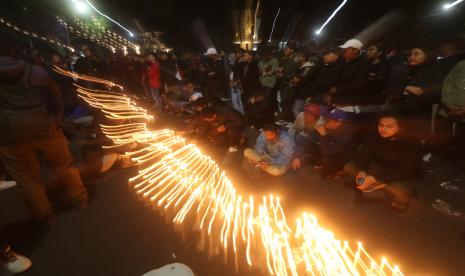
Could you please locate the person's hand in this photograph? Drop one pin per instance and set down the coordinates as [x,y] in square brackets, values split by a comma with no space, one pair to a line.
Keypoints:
[321,130]
[415,90]
[296,164]
[263,165]
[221,129]
[369,180]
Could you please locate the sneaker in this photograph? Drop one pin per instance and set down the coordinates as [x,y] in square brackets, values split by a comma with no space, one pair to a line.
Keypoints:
[232,149]
[7,184]
[16,263]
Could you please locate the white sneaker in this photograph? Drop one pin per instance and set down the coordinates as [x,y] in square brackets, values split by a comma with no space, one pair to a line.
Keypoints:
[7,184]
[16,263]
[232,149]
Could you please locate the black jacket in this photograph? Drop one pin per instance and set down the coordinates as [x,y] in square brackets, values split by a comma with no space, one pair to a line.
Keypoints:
[377,77]
[250,77]
[327,76]
[304,78]
[390,160]
[352,82]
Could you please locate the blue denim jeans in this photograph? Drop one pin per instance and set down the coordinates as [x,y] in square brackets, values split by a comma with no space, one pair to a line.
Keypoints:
[236,100]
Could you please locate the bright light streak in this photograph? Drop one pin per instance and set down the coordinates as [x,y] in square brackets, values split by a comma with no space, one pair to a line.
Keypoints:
[450,5]
[82,5]
[331,17]
[192,190]
[274,22]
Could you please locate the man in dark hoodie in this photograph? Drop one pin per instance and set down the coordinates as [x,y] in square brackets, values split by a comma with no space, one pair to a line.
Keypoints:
[21,149]
[302,80]
[354,76]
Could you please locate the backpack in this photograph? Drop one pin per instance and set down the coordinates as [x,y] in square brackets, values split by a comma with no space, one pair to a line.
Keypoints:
[24,115]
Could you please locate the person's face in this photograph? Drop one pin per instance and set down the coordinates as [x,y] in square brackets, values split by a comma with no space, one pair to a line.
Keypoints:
[164,57]
[271,135]
[151,58]
[388,127]
[247,57]
[373,53]
[300,59]
[288,51]
[332,124]
[87,52]
[417,57]
[212,57]
[190,88]
[56,59]
[350,54]
[330,58]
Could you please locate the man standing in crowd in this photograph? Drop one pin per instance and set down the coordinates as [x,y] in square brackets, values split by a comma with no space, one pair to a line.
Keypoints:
[154,83]
[32,132]
[273,151]
[250,78]
[269,67]
[288,68]
[451,122]
[378,75]
[235,80]
[327,76]
[308,68]
[354,76]
[215,84]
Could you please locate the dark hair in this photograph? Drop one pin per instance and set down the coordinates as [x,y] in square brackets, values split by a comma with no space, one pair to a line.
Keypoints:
[379,46]
[270,127]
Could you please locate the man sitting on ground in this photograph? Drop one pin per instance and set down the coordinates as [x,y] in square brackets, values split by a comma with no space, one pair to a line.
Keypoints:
[304,133]
[389,161]
[220,124]
[273,151]
[334,144]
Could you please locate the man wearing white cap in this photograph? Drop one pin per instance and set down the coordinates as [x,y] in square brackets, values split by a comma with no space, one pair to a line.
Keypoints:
[215,84]
[354,76]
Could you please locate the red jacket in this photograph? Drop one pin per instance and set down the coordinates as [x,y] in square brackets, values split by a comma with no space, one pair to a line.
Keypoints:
[153,75]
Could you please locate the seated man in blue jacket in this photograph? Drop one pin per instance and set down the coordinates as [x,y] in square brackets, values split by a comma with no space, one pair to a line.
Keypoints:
[273,151]
[333,145]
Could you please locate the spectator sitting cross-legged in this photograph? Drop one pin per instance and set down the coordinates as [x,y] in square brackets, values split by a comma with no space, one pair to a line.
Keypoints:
[388,160]
[273,151]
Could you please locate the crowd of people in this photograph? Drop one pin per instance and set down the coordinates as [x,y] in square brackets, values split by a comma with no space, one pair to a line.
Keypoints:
[353,111]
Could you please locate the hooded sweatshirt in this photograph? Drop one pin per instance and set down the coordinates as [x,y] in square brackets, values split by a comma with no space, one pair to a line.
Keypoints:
[11,71]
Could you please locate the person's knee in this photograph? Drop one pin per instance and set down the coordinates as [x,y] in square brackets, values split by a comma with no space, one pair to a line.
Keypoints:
[249,153]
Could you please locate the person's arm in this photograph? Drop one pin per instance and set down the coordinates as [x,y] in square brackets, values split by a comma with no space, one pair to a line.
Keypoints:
[260,144]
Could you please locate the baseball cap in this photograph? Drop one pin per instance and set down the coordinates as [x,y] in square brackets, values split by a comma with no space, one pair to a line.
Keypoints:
[174,269]
[211,51]
[335,114]
[195,96]
[352,43]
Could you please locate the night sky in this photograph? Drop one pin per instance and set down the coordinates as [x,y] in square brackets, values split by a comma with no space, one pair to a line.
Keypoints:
[176,17]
